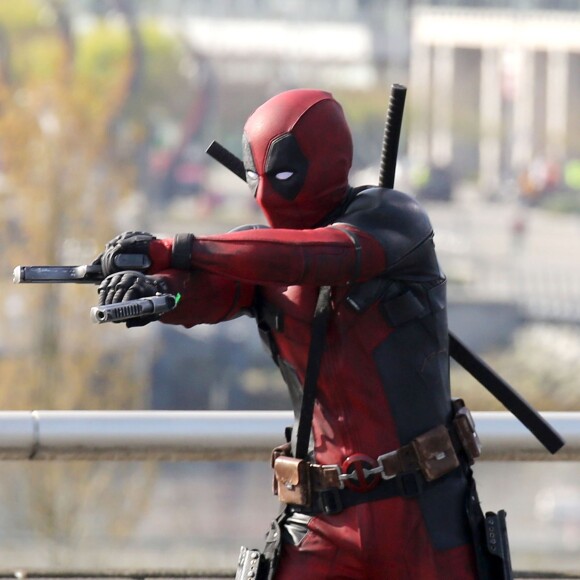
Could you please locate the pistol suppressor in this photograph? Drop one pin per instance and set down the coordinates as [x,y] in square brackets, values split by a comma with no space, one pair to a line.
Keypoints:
[87,274]
[133,308]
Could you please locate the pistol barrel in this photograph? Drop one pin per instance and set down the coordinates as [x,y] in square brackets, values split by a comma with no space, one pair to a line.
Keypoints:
[122,311]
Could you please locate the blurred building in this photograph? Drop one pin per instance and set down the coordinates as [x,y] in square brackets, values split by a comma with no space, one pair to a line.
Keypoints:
[492,84]
[346,43]
[494,90]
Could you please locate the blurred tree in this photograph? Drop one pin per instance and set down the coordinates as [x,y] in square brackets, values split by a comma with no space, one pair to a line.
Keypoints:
[71,129]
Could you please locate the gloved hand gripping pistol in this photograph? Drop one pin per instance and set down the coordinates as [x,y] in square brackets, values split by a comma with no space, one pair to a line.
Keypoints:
[143,308]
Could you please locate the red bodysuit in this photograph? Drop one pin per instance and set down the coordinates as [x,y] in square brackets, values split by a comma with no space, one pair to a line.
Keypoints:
[384,377]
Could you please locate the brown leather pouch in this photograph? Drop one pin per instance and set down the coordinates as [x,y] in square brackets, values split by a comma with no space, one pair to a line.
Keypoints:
[465,428]
[435,453]
[284,450]
[293,479]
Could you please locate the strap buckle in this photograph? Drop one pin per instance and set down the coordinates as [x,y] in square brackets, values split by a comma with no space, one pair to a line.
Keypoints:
[330,501]
[338,477]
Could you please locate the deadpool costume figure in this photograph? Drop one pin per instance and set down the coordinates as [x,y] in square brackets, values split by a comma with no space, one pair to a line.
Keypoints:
[390,481]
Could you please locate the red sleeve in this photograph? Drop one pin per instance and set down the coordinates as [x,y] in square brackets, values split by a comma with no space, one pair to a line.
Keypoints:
[323,256]
[206,298]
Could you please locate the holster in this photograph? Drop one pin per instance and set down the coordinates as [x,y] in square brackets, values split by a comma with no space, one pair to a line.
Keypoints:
[249,564]
[497,543]
[254,564]
[492,552]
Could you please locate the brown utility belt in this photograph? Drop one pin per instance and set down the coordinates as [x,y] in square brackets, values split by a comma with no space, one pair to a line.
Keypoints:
[425,459]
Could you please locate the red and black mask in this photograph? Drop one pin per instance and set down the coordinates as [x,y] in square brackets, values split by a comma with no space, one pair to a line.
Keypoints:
[297,155]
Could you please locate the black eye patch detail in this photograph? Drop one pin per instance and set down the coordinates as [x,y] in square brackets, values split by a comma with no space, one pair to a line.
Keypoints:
[285,156]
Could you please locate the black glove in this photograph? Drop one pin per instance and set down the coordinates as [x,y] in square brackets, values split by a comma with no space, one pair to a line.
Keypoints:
[127,251]
[124,286]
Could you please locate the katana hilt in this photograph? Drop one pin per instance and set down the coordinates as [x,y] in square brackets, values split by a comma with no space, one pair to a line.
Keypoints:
[391,136]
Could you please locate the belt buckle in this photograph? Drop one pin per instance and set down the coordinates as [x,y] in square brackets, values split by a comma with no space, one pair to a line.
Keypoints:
[361,473]
[410,483]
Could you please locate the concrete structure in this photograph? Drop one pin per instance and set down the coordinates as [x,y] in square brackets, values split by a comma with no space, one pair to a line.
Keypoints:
[494,89]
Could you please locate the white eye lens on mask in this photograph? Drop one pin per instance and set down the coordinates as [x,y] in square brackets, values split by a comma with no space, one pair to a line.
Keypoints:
[284,175]
[251,174]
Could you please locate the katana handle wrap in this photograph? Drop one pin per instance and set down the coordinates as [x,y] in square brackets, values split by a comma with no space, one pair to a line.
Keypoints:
[391,136]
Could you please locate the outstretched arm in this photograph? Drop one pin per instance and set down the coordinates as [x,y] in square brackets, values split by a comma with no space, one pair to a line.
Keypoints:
[280,256]
[382,231]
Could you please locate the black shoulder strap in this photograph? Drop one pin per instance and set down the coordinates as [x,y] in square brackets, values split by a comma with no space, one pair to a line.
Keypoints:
[317,342]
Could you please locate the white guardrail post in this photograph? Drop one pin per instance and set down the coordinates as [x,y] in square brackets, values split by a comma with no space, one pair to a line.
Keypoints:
[223,435]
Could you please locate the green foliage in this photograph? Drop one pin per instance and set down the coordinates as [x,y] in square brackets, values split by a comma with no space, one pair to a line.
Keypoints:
[64,180]
[23,15]
[164,54]
[38,59]
[26,24]
[103,54]
[103,57]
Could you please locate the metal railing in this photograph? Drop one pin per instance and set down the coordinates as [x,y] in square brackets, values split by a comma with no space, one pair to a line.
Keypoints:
[215,436]
[22,574]
[169,575]
[223,435]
